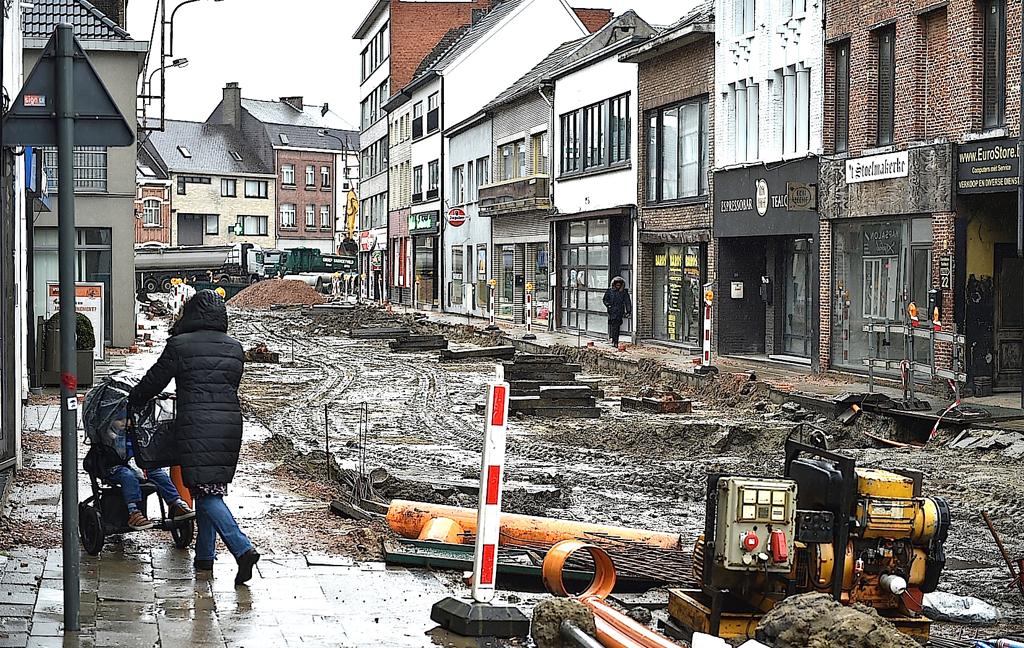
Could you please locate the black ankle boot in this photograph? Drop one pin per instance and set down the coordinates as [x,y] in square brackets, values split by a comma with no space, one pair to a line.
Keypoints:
[245,564]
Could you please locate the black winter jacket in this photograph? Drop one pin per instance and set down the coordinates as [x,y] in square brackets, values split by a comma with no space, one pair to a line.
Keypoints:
[617,301]
[206,365]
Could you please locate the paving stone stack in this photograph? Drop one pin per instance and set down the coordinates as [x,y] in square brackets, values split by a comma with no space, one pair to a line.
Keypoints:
[415,343]
[546,385]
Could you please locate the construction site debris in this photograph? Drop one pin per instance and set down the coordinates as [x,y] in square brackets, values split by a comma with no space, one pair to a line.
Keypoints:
[941,606]
[546,385]
[380,333]
[557,558]
[276,292]
[496,352]
[817,621]
[548,616]
[416,343]
[262,353]
[657,401]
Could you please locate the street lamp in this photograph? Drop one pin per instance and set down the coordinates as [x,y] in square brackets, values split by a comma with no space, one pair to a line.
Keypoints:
[170,24]
[176,63]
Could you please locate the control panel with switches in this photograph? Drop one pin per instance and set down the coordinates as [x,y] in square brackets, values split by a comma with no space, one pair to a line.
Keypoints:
[756,524]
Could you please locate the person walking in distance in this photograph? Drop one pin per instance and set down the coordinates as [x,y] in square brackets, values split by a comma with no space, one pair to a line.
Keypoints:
[206,365]
[616,300]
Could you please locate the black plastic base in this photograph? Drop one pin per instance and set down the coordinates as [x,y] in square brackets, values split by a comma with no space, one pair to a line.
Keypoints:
[492,327]
[471,619]
[709,370]
[529,336]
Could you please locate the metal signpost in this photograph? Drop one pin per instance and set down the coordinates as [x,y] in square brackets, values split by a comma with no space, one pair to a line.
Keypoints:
[65,104]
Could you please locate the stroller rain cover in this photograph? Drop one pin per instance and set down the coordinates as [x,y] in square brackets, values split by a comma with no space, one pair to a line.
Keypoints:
[105,418]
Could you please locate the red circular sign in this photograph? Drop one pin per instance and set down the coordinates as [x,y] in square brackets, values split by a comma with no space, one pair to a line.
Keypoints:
[456,216]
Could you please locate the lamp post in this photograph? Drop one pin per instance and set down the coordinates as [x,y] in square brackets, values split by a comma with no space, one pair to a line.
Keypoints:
[176,63]
[167,50]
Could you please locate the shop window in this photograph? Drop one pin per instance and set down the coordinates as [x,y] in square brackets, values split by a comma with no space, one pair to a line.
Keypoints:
[457,276]
[508,264]
[886,85]
[678,294]
[92,263]
[994,81]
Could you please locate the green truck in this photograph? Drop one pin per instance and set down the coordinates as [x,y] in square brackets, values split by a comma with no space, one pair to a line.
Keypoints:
[310,265]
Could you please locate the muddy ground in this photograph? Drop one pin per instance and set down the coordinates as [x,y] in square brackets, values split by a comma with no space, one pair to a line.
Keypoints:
[628,468]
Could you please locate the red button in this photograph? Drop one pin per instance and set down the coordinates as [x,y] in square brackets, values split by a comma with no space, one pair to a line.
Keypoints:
[750,541]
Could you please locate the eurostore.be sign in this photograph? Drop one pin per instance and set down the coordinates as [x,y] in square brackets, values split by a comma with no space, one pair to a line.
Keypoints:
[989,166]
[878,167]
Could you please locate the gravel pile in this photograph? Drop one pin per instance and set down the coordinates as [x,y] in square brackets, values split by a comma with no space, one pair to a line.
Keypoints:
[276,292]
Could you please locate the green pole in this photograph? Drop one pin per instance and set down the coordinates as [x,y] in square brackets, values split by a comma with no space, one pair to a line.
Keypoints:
[68,364]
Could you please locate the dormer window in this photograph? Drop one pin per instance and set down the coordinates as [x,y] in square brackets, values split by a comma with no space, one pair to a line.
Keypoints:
[185,153]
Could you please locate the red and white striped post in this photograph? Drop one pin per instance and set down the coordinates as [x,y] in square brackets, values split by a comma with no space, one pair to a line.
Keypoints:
[529,313]
[492,466]
[708,310]
[492,289]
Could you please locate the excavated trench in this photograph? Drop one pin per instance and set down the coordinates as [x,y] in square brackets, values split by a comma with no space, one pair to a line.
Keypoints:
[627,468]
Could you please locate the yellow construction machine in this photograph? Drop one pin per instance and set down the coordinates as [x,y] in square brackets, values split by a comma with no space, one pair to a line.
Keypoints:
[862,535]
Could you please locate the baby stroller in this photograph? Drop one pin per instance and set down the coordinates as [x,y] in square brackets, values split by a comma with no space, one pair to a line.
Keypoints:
[108,422]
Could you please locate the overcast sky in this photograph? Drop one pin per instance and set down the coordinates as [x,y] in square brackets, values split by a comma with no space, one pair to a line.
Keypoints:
[275,52]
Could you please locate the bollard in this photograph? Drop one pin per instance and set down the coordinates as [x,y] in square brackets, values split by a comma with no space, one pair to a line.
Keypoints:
[478,617]
[706,367]
[529,313]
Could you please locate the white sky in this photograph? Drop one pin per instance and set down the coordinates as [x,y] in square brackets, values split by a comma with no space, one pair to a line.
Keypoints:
[275,52]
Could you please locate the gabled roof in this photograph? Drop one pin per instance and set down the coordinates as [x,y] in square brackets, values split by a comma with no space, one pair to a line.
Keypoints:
[307,137]
[196,147]
[694,26]
[533,79]
[623,31]
[442,46]
[282,112]
[470,37]
[301,128]
[89,23]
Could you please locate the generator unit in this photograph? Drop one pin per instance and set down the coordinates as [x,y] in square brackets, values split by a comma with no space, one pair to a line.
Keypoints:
[862,535]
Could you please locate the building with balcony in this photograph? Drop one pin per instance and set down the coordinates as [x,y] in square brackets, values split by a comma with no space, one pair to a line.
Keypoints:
[595,145]
[676,144]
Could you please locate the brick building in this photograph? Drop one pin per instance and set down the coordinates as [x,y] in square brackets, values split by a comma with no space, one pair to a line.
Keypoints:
[152,200]
[676,112]
[919,181]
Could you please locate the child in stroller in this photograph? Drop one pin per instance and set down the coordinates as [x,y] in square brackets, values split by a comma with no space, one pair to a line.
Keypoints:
[120,446]
[128,477]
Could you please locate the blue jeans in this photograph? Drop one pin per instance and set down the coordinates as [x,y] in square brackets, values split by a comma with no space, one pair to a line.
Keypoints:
[126,478]
[213,518]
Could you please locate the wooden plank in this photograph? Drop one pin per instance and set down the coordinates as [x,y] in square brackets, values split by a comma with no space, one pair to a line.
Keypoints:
[500,352]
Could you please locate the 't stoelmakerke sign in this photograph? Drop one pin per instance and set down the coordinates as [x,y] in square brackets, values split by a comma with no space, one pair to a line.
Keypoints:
[989,166]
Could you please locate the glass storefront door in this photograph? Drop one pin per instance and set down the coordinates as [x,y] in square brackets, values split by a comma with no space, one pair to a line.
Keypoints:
[798,327]
[591,253]
[426,270]
[678,279]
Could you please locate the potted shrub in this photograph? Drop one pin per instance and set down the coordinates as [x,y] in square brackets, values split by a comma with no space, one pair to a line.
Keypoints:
[85,342]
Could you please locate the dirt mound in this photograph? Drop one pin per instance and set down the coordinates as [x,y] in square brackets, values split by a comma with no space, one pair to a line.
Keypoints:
[817,621]
[276,292]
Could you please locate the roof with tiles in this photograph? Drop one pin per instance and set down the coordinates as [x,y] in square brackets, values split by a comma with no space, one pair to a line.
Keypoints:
[196,147]
[89,23]
[532,79]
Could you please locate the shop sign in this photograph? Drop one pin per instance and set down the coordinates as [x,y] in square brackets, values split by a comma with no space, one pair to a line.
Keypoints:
[424,222]
[456,216]
[367,241]
[988,166]
[801,196]
[883,239]
[878,167]
[758,200]
[88,302]
[377,260]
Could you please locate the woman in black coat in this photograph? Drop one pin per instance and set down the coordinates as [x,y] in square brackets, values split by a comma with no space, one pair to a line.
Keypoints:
[206,365]
[616,300]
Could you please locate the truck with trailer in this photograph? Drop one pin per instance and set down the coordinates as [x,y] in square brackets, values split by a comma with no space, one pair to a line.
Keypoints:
[156,265]
[316,268]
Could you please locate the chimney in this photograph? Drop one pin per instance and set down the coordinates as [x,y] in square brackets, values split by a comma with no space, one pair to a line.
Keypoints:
[231,108]
[294,102]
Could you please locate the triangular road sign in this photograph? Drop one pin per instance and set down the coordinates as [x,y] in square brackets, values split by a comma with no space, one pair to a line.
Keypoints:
[31,121]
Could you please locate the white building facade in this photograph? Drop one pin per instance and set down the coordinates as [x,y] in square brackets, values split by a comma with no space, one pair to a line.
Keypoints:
[768,129]
[467,238]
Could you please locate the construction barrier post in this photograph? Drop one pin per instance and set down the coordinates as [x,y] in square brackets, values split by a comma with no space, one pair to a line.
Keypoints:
[492,289]
[478,617]
[529,313]
[705,359]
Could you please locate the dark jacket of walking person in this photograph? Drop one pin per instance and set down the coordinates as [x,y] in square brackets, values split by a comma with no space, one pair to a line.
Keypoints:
[206,365]
[616,300]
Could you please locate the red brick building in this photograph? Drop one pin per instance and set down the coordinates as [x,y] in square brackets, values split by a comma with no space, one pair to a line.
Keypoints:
[153,213]
[918,182]
[305,198]
[676,95]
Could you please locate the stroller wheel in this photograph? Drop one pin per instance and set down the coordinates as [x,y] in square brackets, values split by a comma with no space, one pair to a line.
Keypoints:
[90,529]
[183,533]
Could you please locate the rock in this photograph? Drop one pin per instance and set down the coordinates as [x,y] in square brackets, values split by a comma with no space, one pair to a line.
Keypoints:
[640,615]
[817,621]
[548,616]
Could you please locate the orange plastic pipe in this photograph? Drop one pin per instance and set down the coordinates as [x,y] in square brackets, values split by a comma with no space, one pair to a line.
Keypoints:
[554,564]
[180,485]
[642,635]
[612,637]
[407,519]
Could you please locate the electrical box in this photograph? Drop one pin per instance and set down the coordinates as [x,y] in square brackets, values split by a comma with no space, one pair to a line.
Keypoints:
[756,524]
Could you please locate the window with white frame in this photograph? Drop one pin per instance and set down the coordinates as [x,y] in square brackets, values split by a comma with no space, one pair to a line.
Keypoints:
[151,213]
[288,174]
[325,177]
[745,108]
[483,171]
[90,168]
[472,188]
[310,216]
[792,8]
[743,16]
[256,188]
[288,215]
[251,226]
[677,151]
[325,217]
[310,175]
[795,83]
[212,224]
[458,195]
